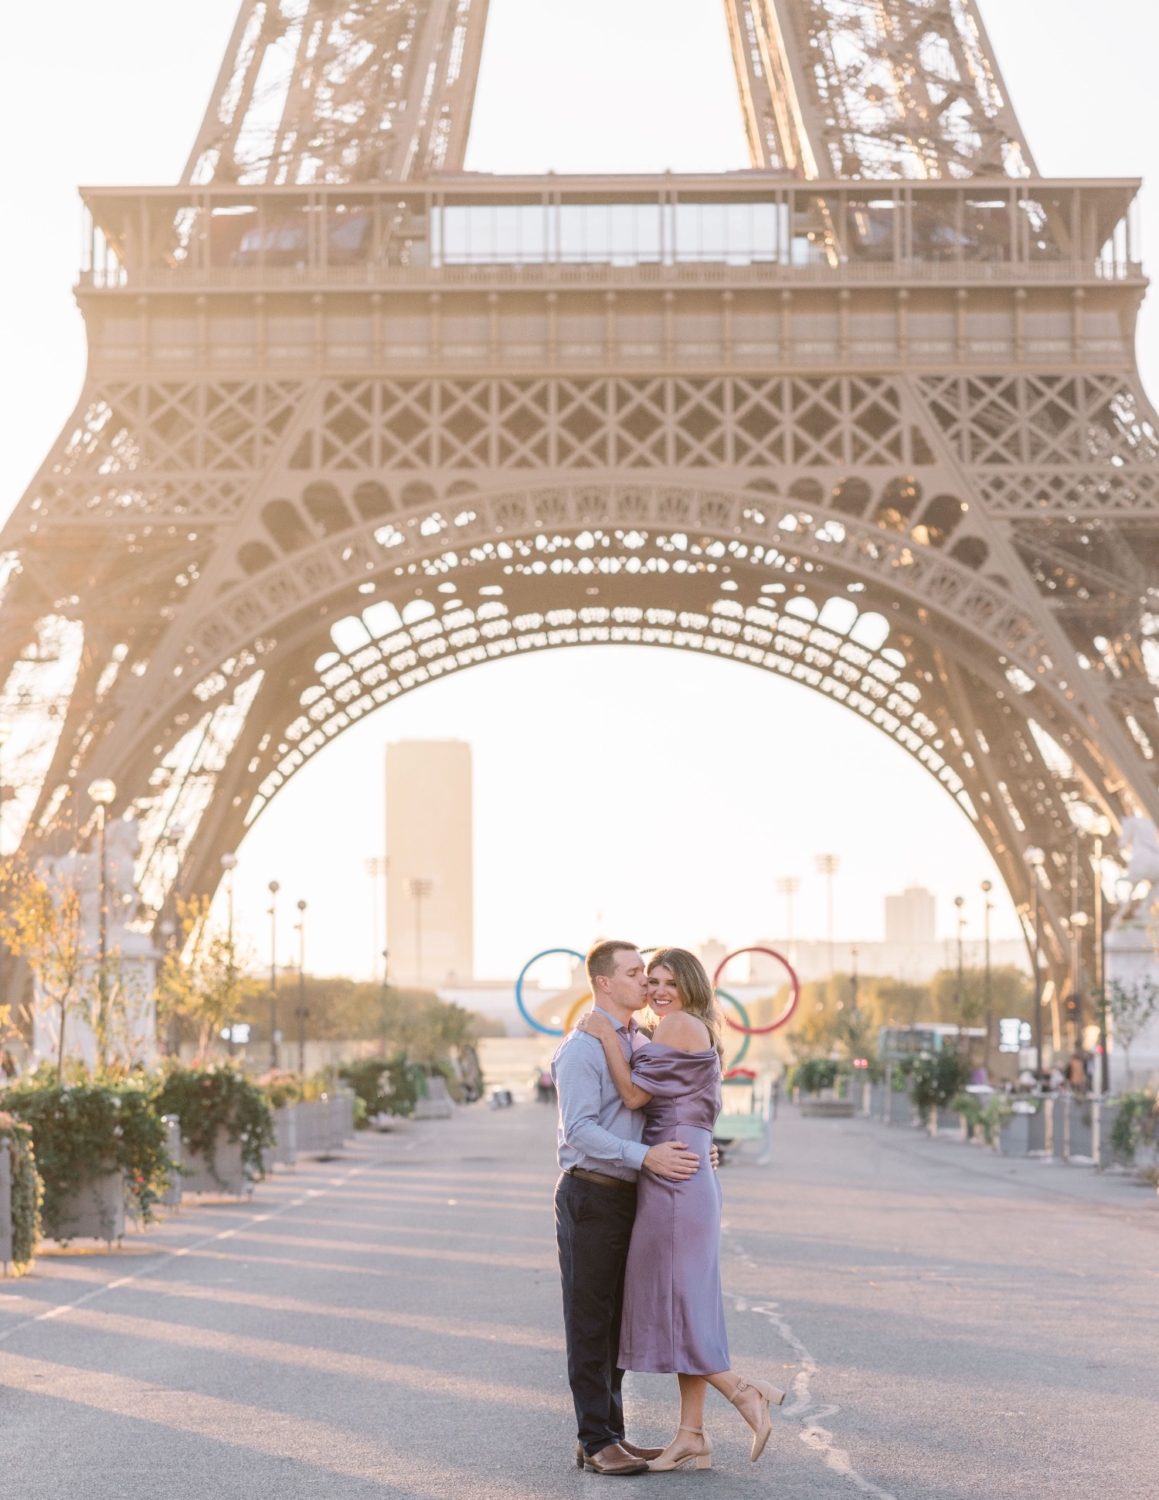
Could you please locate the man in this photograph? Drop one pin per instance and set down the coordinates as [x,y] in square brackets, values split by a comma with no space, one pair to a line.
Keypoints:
[600,1157]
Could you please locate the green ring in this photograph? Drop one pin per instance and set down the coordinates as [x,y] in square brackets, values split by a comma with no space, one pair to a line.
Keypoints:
[744,1015]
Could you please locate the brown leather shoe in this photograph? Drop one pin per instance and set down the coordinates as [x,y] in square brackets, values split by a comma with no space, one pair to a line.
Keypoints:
[615,1460]
[636,1452]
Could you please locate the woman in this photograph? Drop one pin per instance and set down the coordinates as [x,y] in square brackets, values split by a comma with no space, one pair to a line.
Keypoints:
[673,1307]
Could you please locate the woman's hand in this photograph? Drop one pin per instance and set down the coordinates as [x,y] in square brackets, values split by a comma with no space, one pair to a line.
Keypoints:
[596,1024]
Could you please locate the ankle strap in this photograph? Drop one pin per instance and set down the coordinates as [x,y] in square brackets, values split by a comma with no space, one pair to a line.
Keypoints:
[698,1430]
[741,1385]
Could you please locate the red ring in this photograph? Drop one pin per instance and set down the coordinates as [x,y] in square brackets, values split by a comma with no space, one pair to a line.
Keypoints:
[789,1009]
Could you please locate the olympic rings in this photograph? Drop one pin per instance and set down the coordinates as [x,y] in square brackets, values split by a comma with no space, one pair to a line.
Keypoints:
[748,1037]
[789,1009]
[573,1013]
[531,1021]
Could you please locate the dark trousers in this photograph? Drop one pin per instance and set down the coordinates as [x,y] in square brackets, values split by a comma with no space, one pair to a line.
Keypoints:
[593,1226]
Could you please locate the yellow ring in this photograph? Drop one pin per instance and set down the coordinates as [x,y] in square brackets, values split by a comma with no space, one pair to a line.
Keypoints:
[573,1013]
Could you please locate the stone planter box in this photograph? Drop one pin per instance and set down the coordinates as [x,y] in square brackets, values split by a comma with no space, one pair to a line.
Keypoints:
[898,1110]
[96,1211]
[438,1105]
[285,1152]
[228,1175]
[5,1208]
[827,1109]
[316,1128]
[1024,1131]
[324,1124]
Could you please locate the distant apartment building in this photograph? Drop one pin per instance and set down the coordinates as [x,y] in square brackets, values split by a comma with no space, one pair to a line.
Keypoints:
[430,914]
[911,917]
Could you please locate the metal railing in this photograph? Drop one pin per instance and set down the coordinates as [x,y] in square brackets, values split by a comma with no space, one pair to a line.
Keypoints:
[255,279]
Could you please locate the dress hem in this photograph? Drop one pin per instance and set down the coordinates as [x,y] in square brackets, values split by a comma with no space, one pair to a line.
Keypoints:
[667,1369]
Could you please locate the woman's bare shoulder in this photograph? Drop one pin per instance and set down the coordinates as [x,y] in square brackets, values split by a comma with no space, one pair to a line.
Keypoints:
[684,1032]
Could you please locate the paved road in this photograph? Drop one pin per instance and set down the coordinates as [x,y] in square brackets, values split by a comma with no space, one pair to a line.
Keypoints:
[386,1324]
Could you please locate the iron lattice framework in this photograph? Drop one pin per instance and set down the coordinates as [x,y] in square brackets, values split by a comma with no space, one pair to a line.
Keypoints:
[867,417]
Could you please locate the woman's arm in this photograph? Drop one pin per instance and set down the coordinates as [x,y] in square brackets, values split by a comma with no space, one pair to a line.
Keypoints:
[631,1093]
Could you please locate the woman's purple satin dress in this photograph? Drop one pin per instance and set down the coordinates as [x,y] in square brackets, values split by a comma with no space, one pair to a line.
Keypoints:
[673,1307]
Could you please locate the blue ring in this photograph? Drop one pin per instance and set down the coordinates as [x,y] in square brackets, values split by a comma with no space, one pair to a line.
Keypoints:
[744,1015]
[531,1021]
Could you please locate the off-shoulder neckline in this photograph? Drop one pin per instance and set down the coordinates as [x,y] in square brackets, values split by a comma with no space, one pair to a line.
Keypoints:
[668,1047]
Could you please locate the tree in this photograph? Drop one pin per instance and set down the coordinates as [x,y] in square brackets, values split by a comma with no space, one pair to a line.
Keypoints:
[1011,994]
[1132,1008]
[201,980]
[41,920]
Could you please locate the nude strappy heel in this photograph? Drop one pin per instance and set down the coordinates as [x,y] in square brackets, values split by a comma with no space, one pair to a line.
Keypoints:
[770,1396]
[699,1460]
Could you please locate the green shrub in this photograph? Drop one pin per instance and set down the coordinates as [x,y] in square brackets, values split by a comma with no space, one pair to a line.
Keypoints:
[82,1132]
[386,1086]
[969,1106]
[219,1097]
[365,1077]
[27,1191]
[815,1074]
[1137,1120]
[989,1118]
[281,1088]
[934,1081]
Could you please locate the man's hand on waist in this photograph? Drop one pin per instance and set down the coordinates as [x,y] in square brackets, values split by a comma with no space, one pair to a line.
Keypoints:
[673,1160]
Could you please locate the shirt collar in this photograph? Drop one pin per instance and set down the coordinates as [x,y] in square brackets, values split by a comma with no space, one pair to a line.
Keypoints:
[629,1030]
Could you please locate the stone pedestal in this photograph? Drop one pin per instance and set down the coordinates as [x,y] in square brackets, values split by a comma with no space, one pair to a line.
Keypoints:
[175,1146]
[827,1109]
[1131,961]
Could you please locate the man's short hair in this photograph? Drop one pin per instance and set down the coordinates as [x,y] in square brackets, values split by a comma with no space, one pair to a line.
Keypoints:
[602,958]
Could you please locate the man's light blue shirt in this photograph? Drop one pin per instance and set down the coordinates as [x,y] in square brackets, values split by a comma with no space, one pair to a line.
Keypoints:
[597,1130]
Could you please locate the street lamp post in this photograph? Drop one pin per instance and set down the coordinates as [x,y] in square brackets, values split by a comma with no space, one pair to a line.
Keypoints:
[827,865]
[1101,828]
[1035,858]
[274,888]
[229,865]
[788,886]
[959,902]
[301,1012]
[103,793]
[988,991]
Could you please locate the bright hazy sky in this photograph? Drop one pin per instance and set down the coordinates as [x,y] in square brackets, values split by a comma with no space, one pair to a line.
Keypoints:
[668,810]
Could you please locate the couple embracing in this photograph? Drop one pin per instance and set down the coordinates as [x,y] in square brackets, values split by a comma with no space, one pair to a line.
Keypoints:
[637,1209]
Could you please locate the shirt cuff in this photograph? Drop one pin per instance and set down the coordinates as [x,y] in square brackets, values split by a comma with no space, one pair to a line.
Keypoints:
[634,1154]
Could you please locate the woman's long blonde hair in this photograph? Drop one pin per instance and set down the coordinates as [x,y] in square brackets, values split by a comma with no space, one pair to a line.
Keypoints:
[694,988]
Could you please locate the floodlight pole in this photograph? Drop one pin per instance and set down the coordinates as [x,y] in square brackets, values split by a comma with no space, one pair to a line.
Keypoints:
[302,1012]
[274,888]
[987,908]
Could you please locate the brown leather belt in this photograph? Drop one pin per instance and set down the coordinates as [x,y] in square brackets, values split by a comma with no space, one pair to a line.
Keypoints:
[602,1181]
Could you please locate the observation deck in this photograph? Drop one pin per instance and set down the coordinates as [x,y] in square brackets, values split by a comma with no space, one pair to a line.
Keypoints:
[658,271]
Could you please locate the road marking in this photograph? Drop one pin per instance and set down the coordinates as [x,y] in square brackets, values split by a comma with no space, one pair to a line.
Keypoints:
[158,1260]
[812,1434]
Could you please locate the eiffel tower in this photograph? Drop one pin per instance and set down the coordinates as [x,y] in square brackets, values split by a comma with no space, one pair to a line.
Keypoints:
[866,416]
